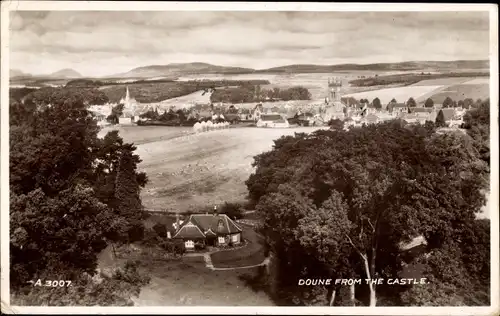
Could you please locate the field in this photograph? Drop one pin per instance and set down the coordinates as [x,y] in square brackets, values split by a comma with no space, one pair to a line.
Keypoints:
[147,134]
[437,89]
[188,172]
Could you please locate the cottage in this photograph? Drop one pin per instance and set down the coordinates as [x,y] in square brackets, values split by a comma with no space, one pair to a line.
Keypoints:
[208,229]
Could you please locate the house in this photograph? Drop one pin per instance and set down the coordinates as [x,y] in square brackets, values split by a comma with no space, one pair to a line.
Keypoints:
[272,120]
[208,229]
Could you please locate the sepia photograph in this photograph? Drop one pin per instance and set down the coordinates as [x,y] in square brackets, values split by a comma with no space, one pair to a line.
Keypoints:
[269,158]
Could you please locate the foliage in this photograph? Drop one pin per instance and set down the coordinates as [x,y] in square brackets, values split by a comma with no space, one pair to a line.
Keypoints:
[440,121]
[100,290]
[84,83]
[127,191]
[429,103]
[410,78]
[251,93]
[448,103]
[340,203]
[160,90]
[411,102]
[233,210]
[169,118]
[336,124]
[63,210]
[376,103]
[116,113]
[477,125]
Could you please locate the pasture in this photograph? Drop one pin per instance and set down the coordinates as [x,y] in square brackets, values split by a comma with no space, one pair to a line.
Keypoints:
[187,171]
[146,134]
[458,88]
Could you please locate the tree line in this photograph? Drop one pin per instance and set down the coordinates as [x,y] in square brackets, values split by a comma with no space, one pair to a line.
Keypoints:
[339,204]
[254,93]
[71,195]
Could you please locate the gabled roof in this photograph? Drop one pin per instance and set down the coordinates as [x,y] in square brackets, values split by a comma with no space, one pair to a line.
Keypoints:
[189,230]
[204,225]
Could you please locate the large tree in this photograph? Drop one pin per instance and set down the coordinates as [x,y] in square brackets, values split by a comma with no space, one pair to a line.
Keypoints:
[440,120]
[411,102]
[429,103]
[448,103]
[61,216]
[353,197]
[376,103]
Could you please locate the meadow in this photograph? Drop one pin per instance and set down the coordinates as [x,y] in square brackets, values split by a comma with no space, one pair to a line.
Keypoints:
[188,171]
[457,88]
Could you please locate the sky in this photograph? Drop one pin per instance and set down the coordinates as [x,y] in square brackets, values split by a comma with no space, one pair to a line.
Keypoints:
[98,43]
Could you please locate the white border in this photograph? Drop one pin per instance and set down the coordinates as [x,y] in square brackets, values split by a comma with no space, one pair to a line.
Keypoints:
[7,6]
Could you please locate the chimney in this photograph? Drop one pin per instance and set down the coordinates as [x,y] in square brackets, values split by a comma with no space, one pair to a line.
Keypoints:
[215,210]
[176,221]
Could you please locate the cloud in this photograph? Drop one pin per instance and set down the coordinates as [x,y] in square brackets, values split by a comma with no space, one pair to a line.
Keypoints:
[116,40]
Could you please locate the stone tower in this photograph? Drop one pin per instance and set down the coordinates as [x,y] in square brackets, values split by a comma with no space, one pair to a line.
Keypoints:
[334,85]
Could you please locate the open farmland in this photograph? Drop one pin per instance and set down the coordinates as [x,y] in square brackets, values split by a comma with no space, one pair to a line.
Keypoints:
[457,88]
[203,169]
[461,92]
[185,101]
[147,134]
[401,94]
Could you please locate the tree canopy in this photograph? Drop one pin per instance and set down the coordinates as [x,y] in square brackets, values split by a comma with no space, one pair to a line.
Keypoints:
[429,103]
[63,201]
[341,202]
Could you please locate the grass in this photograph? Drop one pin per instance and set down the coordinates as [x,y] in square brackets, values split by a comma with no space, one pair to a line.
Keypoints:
[462,91]
[147,134]
[411,78]
[252,254]
[190,172]
[189,282]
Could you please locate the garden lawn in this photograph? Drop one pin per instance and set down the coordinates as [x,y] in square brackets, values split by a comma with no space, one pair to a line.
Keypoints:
[251,254]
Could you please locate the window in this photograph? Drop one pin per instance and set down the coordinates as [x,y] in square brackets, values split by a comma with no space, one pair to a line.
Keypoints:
[222,240]
[189,244]
[235,238]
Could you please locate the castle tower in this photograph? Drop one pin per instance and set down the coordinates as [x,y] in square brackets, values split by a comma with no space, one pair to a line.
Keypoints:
[334,85]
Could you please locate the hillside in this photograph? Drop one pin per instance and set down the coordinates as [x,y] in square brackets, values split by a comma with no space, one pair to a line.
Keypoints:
[172,70]
[17,73]
[402,66]
[65,74]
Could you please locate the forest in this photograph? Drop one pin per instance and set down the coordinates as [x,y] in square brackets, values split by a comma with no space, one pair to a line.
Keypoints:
[340,204]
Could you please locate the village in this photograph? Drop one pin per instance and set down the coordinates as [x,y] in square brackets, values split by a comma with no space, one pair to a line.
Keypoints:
[285,114]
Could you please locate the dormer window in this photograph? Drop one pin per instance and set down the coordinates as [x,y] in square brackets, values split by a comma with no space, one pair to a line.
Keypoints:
[220,225]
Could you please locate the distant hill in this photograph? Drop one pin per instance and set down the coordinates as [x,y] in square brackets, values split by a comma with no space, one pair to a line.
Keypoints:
[65,74]
[17,73]
[183,69]
[402,66]
[174,70]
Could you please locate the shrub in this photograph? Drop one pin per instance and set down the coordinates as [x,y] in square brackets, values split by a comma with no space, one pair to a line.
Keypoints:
[160,229]
[233,210]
